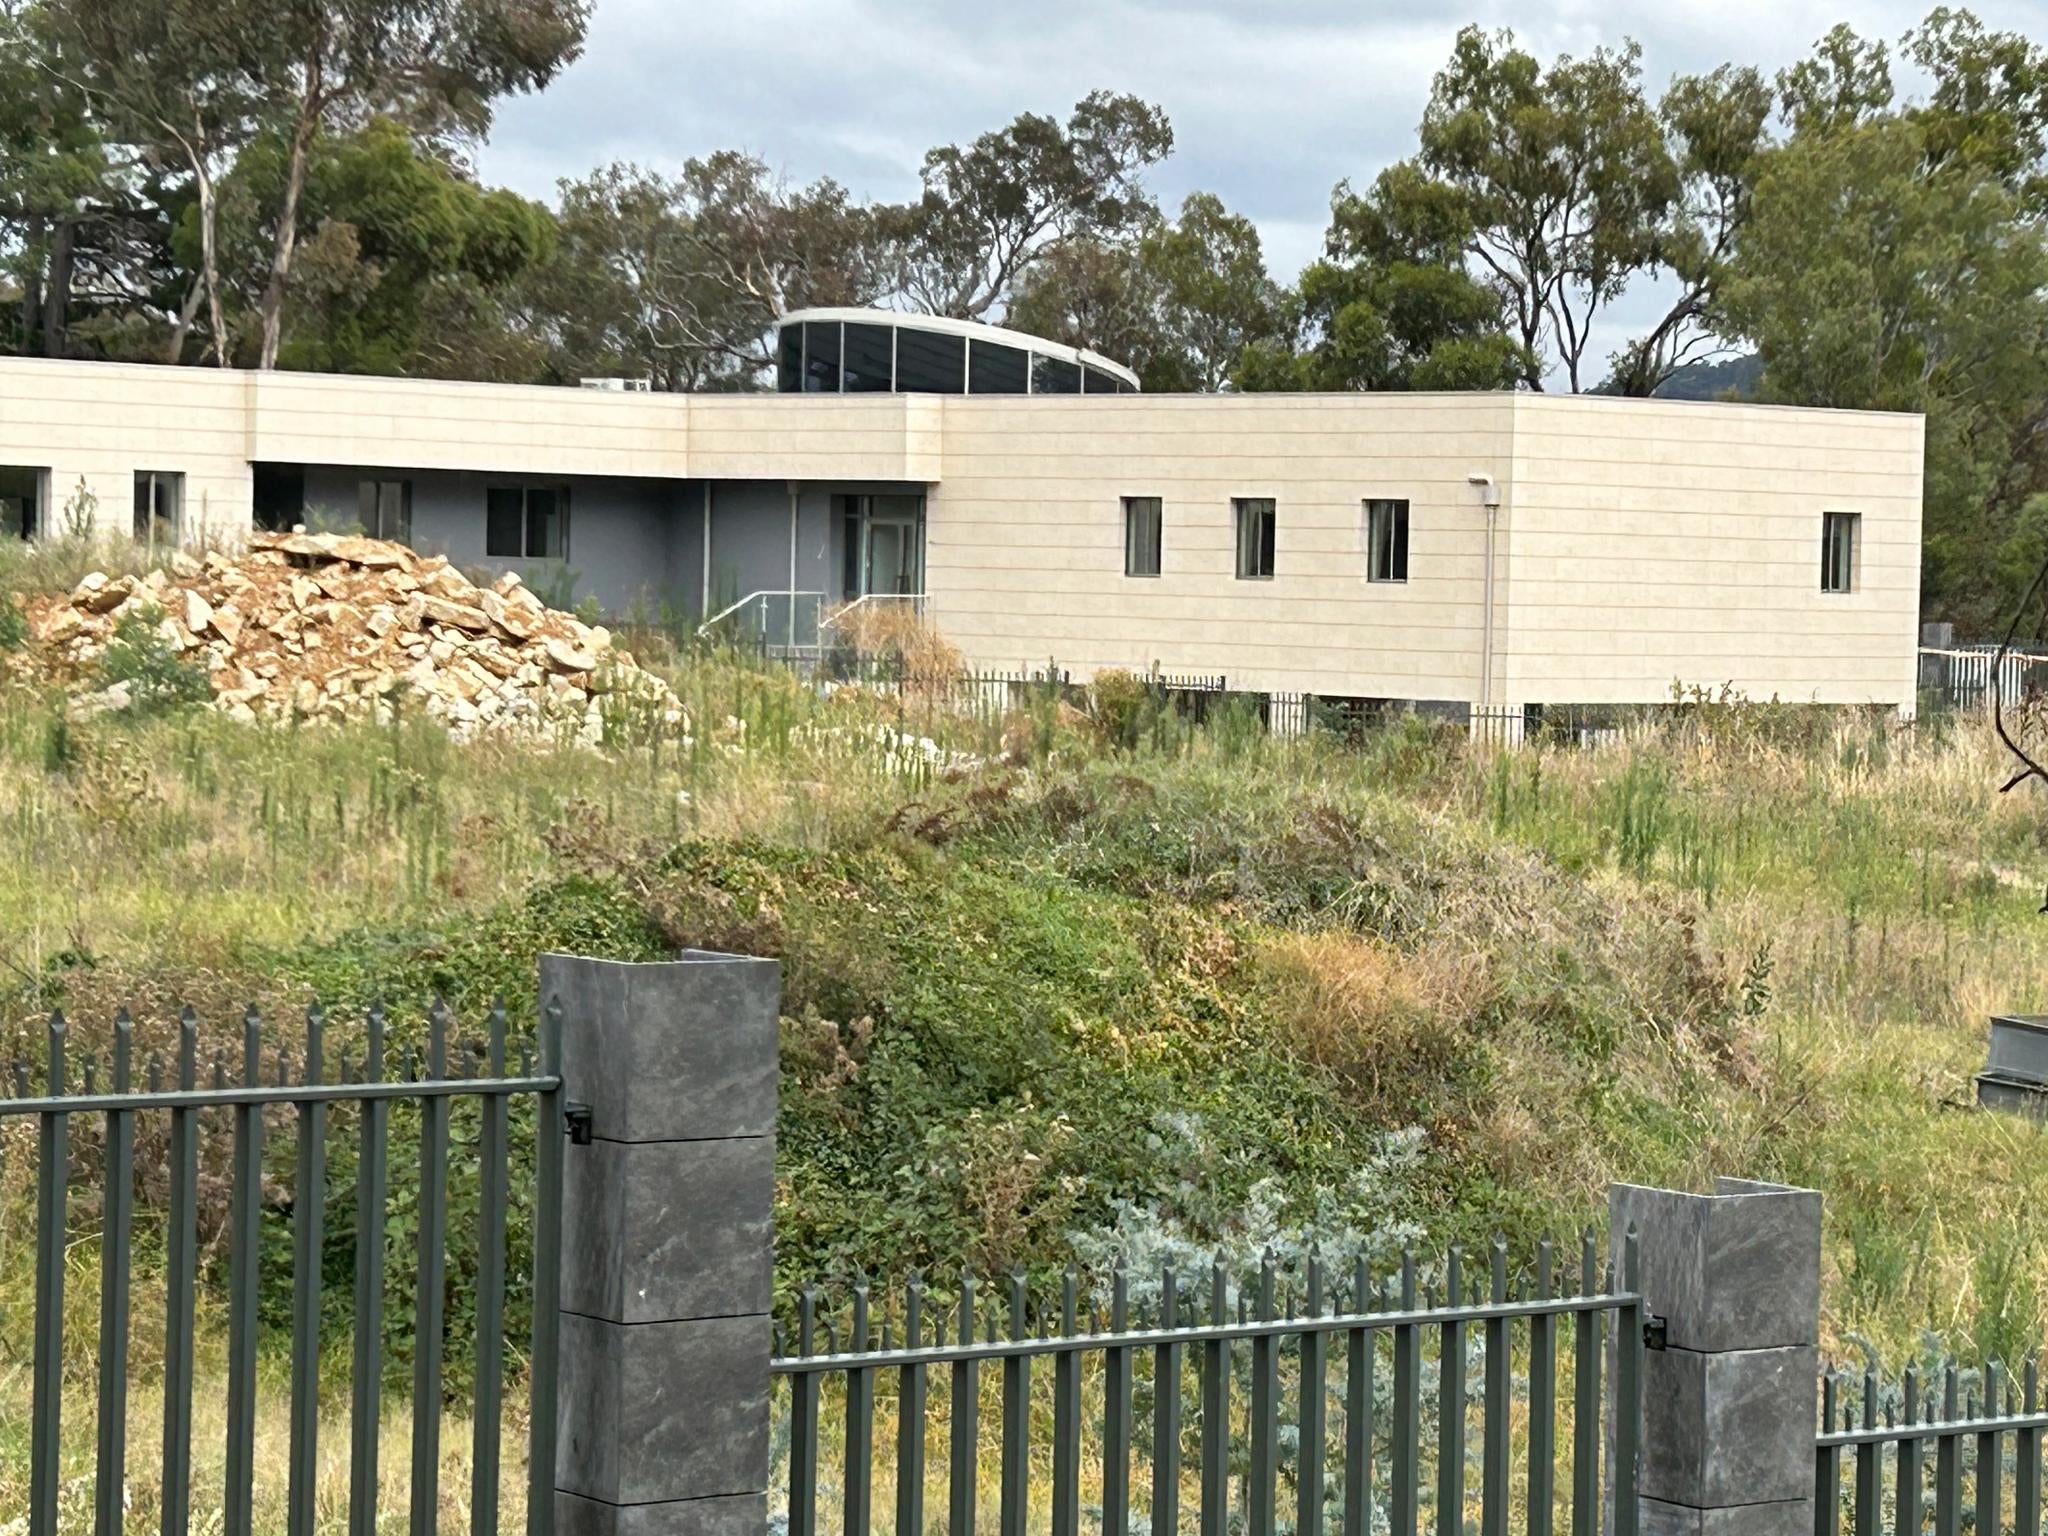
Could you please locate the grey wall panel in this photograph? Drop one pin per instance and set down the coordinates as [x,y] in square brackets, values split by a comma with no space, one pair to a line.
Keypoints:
[624,534]
[630,541]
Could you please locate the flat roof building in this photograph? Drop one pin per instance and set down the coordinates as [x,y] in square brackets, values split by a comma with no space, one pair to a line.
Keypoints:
[1502,549]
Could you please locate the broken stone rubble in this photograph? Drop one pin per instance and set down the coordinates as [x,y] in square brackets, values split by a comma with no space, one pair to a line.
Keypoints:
[328,626]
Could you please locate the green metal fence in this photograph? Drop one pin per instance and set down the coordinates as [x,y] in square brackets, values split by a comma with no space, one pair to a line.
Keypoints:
[1970,1435]
[292,1096]
[1308,1403]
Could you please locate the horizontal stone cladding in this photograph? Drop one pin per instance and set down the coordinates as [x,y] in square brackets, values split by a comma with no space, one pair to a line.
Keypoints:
[1639,544]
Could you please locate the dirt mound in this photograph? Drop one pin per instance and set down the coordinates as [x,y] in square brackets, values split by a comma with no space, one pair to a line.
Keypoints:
[312,625]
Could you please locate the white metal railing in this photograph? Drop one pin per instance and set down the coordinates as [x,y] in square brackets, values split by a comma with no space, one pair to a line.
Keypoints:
[874,602]
[1964,674]
[786,618]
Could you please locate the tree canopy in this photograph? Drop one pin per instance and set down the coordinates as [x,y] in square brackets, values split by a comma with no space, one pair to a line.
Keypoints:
[292,184]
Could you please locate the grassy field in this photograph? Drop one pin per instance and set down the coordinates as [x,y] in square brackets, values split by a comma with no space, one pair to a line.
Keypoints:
[1109,986]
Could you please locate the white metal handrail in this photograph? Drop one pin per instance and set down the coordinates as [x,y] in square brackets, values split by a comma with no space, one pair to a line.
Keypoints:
[732,608]
[839,616]
[1974,673]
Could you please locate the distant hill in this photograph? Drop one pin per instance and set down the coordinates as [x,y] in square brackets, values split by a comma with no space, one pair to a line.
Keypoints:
[1736,376]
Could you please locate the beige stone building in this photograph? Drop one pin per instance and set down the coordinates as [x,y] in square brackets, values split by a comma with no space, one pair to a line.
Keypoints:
[1497,549]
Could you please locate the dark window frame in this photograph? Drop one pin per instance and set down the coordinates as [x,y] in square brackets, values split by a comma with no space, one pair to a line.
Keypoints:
[494,545]
[1153,510]
[1386,539]
[816,361]
[989,355]
[370,507]
[928,349]
[873,383]
[1841,541]
[164,490]
[1257,519]
[789,359]
[1054,375]
[35,502]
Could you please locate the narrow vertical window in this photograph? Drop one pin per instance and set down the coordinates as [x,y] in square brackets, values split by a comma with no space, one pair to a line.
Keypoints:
[789,360]
[1840,533]
[1255,520]
[384,508]
[547,523]
[504,522]
[1386,540]
[159,509]
[1142,521]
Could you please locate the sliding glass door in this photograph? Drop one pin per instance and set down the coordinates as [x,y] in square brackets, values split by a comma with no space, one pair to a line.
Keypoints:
[884,548]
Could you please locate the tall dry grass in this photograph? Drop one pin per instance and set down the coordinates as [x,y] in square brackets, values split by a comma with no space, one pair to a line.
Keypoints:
[1795,940]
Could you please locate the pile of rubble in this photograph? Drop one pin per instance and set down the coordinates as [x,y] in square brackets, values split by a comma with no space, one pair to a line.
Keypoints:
[312,625]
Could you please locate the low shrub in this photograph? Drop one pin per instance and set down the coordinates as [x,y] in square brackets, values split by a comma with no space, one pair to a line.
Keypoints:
[155,673]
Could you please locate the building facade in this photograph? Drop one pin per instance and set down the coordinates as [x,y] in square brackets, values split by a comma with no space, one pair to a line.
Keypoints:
[1498,549]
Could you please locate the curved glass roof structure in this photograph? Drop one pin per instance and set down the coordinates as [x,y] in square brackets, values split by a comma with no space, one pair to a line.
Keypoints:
[878,351]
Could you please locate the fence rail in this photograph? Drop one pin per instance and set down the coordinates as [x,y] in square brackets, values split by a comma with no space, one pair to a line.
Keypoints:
[1968,677]
[1240,1393]
[1978,1445]
[298,1086]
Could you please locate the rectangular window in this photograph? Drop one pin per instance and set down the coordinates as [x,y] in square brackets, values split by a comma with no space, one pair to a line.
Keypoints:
[1840,533]
[789,360]
[1054,375]
[821,357]
[384,508]
[24,493]
[159,509]
[529,522]
[994,369]
[545,519]
[867,367]
[1386,540]
[930,363]
[1142,519]
[1255,522]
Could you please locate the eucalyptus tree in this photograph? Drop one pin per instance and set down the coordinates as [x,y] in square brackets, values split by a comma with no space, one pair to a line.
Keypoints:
[436,64]
[680,278]
[184,83]
[1099,294]
[1178,301]
[991,209]
[1895,259]
[1716,125]
[1391,304]
[1564,178]
[54,167]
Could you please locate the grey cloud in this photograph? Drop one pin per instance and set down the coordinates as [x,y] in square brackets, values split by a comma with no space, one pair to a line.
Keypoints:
[1272,101]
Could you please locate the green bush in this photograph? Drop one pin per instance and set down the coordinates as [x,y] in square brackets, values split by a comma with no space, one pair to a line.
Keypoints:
[1225,993]
[1118,702]
[157,676]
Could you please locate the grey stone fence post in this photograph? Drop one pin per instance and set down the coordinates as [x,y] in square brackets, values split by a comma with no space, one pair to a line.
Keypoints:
[667,1244]
[1729,1400]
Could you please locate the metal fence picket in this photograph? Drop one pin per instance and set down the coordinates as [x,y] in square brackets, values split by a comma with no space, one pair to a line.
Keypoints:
[282,1102]
[1269,1341]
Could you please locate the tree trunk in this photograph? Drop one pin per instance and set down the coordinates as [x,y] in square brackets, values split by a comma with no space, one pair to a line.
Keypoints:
[175,352]
[209,262]
[32,284]
[57,290]
[288,220]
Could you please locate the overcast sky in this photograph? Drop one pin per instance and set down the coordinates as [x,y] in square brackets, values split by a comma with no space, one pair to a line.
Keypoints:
[1272,101]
